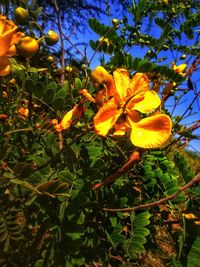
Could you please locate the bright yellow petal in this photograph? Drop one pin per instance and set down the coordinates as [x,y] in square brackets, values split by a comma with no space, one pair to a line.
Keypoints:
[139,83]
[122,83]
[4,66]
[189,215]
[180,68]
[149,102]
[105,118]
[70,118]
[151,132]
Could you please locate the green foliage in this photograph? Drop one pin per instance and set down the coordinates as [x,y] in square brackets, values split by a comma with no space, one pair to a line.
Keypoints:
[193,256]
[57,208]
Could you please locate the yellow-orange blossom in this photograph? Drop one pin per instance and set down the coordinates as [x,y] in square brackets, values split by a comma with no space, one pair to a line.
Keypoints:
[8,38]
[122,102]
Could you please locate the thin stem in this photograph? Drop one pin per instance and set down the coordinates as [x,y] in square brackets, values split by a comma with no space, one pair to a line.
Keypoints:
[196,179]
[19,130]
[135,156]
[110,30]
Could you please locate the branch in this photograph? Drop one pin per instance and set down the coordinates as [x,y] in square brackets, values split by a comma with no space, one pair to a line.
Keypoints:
[135,156]
[196,179]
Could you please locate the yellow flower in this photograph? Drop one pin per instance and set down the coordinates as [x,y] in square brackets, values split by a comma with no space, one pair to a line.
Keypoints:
[70,118]
[23,111]
[8,38]
[120,111]
[103,39]
[179,69]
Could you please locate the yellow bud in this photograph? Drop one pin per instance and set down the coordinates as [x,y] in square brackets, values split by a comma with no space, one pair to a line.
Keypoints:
[102,39]
[99,75]
[7,191]
[50,59]
[12,81]
[51,38]
[21,16]
[4,94]
[165,2]
[68,69]
[115,22]
[28,47]
[183,57]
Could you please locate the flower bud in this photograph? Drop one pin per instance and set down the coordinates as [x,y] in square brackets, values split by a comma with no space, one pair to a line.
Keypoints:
[28,47]
[51,38]
[21,16]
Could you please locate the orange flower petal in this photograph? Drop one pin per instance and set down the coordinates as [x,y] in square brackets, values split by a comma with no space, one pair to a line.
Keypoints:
[87,95]
[4,66]
[132,116]
[120,129]
[139,83]
[149,102]
[23,111]
[122,83]
[105,118]
[5,41]
[151,132]
[16,37]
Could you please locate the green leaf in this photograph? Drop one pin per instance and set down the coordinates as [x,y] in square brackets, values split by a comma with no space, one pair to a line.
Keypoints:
[141,222]
[29,85]
[145,66]
[74,236]
[66,176]
[58,103]
[94,152]
[115,237]
[52,86]
[61,93]
[113,221]
[194,254]
[137,247]
[139,238]
[93,44]
[78,84]
[62,210]
[81,218]
[39,263]
[142,215]
[143,231]
[49,95]
[38,90]
[16,66]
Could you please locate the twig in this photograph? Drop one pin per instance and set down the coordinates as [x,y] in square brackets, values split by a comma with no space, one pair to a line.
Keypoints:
[100,43]
[76,48]
[135,156]
[196,179]
[62,78]
[19,130]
